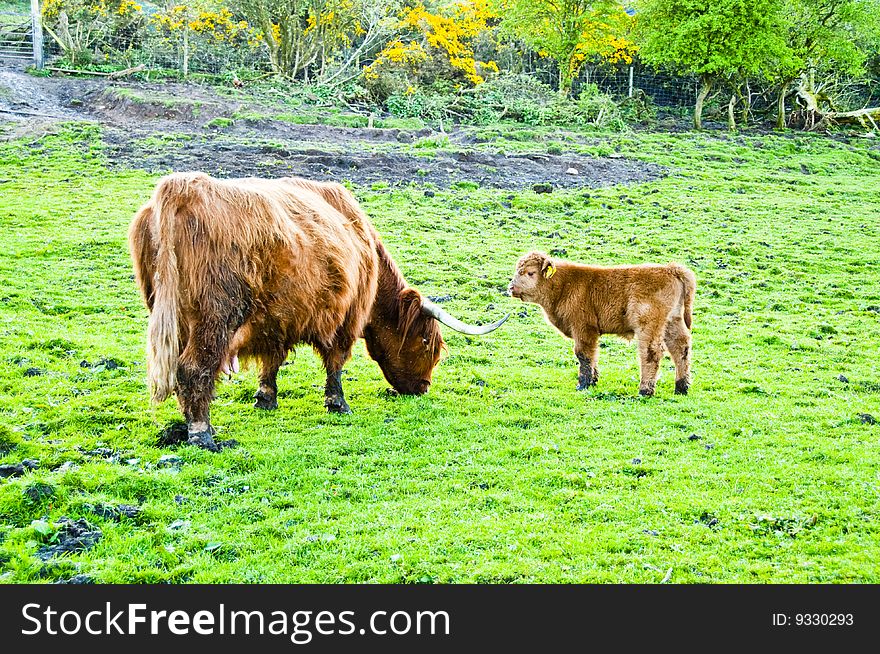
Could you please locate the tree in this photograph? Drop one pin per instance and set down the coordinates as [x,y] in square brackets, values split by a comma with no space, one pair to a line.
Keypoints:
[712,39]
[79,26]
[432,45]
[300,34]
[180,23]
[826,39]
[570,31]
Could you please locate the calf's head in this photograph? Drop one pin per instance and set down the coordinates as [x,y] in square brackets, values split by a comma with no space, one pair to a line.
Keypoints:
[533,272]
[403,337]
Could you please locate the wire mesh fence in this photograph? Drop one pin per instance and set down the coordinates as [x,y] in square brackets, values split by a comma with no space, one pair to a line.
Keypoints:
[194,54]
[664,89]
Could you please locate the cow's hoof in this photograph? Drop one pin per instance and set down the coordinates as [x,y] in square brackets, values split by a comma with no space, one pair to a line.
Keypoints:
[204,440]
[646,392]
[681,387]
[264,401]
[336,404]
[583,386]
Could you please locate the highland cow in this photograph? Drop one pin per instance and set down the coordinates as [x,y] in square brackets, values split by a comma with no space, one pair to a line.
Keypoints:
[249,268]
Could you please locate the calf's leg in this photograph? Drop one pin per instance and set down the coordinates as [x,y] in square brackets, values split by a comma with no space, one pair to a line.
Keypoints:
[650,354]
[586,349]
[678,342]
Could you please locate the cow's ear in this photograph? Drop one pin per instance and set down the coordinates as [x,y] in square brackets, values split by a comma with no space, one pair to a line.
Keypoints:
[410,309]
[547,268]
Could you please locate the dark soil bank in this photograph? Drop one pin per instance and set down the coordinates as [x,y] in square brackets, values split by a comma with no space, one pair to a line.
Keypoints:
[446,169]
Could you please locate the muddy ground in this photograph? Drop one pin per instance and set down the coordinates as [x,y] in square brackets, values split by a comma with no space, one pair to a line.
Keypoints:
[163,127]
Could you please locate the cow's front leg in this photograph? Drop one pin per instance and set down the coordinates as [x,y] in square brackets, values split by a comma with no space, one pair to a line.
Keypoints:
[334,397]
[334,358]
[586,349]
[267,394]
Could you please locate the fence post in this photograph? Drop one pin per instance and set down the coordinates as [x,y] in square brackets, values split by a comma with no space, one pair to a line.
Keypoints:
[630,81]
[37,33]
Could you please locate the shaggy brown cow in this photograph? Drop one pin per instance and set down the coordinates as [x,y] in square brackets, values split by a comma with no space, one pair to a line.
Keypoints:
[651,302]
[249,268]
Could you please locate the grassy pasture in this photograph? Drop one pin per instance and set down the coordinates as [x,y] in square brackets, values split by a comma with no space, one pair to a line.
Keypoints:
[502,473]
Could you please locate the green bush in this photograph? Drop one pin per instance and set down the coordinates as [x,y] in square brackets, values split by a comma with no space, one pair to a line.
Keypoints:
[512,97]
[419,105]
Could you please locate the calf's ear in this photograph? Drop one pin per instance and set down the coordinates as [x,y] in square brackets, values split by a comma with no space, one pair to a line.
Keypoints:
[547,268]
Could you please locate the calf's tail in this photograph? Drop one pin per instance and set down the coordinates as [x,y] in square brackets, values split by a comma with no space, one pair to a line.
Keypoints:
[689,286]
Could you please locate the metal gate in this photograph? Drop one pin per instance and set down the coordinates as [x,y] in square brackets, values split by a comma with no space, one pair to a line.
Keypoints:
[21,35]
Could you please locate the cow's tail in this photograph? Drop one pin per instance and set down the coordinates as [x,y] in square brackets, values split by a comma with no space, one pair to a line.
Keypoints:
[163,344]
[689,286]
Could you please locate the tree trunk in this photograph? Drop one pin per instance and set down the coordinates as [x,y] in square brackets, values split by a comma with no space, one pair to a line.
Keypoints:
[185,52]
[868,118]
[706,86]
[780,105]
[564,83]
[747,105]
[731,119]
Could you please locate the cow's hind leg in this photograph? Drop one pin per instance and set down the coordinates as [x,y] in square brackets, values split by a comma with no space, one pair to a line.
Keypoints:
[206,351]
[650,354]
[197,371]
[267,394]
[678,342]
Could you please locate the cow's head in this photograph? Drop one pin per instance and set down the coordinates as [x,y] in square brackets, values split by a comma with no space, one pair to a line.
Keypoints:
[533,271]
[406,342]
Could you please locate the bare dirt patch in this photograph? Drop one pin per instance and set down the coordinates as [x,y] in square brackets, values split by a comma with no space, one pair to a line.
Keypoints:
[139,118]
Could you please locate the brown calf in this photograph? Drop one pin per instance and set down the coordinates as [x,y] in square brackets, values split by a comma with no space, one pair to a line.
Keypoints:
[651,302]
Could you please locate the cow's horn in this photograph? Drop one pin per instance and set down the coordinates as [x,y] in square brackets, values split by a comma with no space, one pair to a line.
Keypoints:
[431,309]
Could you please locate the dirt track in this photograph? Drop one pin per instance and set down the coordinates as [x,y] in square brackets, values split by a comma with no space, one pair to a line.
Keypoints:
[133,115]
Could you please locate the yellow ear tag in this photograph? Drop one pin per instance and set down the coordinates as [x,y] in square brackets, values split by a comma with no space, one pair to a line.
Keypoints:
[549,272]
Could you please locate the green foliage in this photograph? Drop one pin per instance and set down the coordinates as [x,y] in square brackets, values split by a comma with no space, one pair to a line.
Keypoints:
[710,37]
[8,440]
[302,34]
[835,35]
[78,27]
[572,32]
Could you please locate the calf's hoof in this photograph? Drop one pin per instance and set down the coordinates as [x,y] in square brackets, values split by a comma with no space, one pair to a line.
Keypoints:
[265,401]
[584,385]
[646,392]
[681,386]
[204,440]
[336,404]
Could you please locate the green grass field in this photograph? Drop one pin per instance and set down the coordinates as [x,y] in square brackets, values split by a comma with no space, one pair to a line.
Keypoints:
[503,472]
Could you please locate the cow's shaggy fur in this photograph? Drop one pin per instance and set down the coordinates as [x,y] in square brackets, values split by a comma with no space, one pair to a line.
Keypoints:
[651,302]
[252,267]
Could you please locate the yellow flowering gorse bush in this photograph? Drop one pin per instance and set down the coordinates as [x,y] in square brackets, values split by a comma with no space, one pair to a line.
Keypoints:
[449,36]
[219,25]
